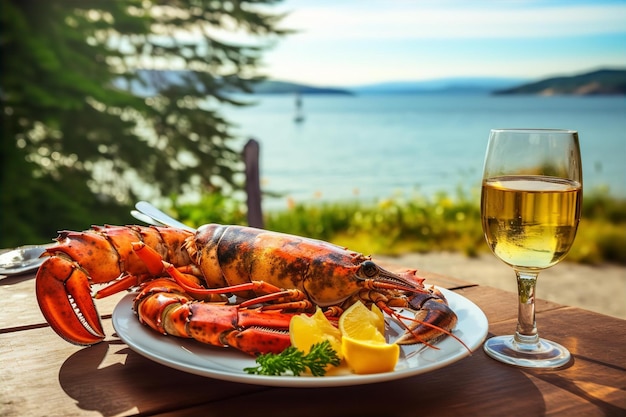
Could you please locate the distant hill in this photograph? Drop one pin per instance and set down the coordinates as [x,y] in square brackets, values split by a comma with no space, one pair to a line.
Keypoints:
[283,87]
[601,82]
[466,85]
[458,85]
[153,81]
[605,81]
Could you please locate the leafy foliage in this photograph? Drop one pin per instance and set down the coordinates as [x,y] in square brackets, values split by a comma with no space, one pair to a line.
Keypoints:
[80,145]
[402,224]
[389,226]
[212,208]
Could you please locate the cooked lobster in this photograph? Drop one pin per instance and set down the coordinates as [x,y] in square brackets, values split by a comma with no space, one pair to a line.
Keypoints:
[223,285]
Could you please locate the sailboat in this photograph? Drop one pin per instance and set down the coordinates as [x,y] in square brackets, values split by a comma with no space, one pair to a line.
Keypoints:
[299,116]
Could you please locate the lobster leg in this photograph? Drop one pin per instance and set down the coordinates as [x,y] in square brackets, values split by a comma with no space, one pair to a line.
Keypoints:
[123,283]
[290,299]
[64,297]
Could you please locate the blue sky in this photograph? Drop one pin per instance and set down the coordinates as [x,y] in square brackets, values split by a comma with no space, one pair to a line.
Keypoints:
[346,43]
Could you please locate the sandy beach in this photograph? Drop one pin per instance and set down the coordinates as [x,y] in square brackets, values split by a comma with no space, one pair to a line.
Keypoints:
[597,288]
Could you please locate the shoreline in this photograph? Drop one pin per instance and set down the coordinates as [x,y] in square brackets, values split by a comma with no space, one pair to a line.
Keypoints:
[601,288]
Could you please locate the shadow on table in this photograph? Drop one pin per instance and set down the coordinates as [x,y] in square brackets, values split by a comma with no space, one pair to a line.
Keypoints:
[15,279]
[112,379]
[465,388]
[104,378]
[590,387]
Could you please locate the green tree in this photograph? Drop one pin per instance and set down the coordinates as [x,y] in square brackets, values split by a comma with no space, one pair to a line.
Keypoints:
[87,122]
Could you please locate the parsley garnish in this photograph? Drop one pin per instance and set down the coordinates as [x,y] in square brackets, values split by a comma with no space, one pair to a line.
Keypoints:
[296,361]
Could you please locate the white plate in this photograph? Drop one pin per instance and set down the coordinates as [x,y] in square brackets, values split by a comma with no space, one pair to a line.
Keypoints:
[21,260]
[228,364]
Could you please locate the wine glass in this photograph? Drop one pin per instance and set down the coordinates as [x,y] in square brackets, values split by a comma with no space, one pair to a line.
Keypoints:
[530,209]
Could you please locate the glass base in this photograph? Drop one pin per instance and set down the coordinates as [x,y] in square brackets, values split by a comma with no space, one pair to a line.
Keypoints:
[542,354]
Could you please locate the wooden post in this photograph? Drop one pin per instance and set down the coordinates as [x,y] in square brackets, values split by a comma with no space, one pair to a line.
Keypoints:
[253,184]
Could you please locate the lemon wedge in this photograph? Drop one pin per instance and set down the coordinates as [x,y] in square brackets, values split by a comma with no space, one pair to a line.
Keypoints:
[369,357]
[363,344]
[359,322]
[305,331]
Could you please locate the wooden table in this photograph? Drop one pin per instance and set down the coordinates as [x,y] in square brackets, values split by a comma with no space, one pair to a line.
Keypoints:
[42,375]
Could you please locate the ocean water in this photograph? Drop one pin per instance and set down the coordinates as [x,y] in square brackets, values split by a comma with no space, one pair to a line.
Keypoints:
[372,147]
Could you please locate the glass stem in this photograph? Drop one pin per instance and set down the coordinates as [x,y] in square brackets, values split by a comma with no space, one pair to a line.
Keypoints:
[526,333]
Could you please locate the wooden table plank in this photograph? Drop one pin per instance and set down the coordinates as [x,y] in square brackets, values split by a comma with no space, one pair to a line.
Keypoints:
[109,379]
[474,386]
[41,374]
[56,378]
[593,384]
[469,387]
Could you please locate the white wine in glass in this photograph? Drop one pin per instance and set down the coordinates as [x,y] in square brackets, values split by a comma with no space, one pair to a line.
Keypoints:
[530,207]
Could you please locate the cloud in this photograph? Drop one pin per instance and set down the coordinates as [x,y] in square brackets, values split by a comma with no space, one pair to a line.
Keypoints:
[445,20]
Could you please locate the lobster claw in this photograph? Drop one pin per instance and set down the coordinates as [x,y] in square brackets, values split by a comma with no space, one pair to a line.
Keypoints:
[64,297]
[433,319]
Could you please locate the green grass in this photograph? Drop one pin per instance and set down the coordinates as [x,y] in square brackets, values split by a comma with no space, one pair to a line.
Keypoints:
[402,224]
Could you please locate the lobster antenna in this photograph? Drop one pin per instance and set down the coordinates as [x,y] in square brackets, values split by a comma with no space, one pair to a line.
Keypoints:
[400,318]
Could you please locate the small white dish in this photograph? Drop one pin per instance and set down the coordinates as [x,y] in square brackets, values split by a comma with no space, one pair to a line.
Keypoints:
[22,259]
